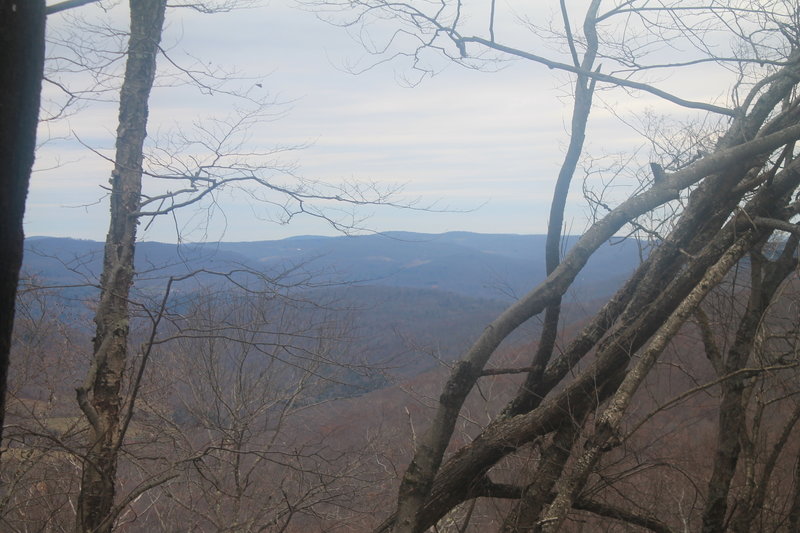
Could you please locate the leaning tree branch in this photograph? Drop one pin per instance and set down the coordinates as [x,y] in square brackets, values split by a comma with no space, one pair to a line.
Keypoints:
[623,515]
[599,76]
[67,4]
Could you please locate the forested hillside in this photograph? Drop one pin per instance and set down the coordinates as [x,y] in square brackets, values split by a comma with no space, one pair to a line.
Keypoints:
[398,292]
[341,318]
[634,368]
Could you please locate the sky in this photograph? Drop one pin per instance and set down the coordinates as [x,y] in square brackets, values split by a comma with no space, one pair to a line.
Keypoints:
[469,150]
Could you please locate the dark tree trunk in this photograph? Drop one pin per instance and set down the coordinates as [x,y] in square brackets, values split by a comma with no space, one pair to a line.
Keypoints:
[525,513]
[21,64]
[733,407]
[99,397]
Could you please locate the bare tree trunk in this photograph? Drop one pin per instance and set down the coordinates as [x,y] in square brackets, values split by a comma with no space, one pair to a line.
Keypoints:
[746,513]
[99,396]
[21,63]
[607,425]
[525,513]
[417,482]
[794,510]
[582,106]
[765,282]
[535,496]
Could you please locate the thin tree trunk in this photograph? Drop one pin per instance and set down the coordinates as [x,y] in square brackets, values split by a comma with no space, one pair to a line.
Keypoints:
[99,396]
[582,106]
[525,513]
[794,510]
[21,64]
[744,516]
[733,407]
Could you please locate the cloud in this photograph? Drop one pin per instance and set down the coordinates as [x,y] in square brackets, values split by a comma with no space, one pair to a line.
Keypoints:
[458,138]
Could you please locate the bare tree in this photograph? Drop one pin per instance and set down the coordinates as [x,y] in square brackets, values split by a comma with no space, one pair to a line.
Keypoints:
[243,368]
[712,205]
[226,371]
[147,183]
[99,395]
[709,200]
[42,468]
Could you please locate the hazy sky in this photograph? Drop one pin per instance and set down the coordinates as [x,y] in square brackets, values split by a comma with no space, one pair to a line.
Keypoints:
[481,148]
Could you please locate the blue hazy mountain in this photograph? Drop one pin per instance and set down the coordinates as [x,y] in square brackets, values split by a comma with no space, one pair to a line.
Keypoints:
[412,299]
[495,266]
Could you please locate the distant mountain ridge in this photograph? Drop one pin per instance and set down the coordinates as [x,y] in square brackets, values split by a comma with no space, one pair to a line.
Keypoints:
[497,266]
[412,300]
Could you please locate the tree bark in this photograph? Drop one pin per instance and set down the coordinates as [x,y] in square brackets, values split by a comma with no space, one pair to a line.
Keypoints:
[794,510]
[733,407]
[99,396]
[21,63]
[608,424]
[745,515]
[539,493]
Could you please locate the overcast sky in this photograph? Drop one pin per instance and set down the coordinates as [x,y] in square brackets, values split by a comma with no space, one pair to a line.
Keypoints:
[481,148]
